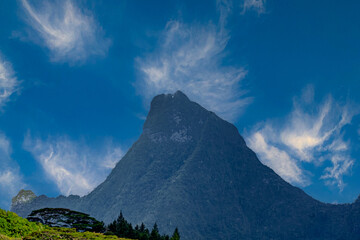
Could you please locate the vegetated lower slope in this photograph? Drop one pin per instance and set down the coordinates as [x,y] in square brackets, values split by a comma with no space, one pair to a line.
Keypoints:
[192,170]
[14,227]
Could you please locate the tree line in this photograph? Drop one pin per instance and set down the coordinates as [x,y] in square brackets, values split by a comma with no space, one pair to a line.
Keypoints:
[122,228]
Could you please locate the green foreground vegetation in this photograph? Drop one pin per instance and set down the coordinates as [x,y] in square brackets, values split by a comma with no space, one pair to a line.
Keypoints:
[14,227]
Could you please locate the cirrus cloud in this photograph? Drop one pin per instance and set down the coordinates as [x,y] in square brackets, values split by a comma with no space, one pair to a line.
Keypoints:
[189,58]
[255,5]
[276,158]
[69,32]
[312,133]
[10,178]
[73,166]
[9,84]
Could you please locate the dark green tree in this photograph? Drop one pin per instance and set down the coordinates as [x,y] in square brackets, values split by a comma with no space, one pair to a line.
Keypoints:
[176,235]
[132,232]
[142,228]
[122,228]
[143,233]
[155,235]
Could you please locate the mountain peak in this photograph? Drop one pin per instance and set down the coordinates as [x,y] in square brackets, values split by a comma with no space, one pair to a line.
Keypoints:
[191,168]
[24,196]
[180,94]
[162,99]
[170,112]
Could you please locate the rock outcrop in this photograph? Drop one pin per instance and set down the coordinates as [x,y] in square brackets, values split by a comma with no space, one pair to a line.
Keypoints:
[23,197]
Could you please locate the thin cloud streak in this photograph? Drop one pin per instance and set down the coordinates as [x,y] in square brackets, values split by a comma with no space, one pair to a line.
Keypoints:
[311,135]
[255,5]
[73,166]
[189,58]
[71,34]
[278,160]
[9,84]
[10,178]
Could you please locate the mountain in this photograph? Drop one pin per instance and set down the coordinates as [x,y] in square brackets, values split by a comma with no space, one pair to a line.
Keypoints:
[192,170]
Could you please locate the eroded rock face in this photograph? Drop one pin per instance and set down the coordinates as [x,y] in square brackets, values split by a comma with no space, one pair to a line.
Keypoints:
[24,196]
[60,217]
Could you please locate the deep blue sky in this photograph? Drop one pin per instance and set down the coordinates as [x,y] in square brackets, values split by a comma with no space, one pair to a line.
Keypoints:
[76,79]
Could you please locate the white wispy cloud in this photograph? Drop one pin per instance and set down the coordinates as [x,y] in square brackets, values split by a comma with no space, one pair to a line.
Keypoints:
[68,31]
[311,133]
[278,160]
[73,166]
[190,58]
[255,5]
[9,84]
[10,178]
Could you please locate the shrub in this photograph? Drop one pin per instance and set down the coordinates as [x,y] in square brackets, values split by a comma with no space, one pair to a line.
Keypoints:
[12,225]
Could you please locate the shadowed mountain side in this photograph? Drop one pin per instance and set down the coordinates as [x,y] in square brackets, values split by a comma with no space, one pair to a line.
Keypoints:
[192,170]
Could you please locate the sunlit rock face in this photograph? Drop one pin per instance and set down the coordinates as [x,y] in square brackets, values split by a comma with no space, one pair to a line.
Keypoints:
[192,170]
[24,196]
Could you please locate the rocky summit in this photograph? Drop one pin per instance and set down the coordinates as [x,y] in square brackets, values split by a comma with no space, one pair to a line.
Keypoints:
[22,197]
[192,170]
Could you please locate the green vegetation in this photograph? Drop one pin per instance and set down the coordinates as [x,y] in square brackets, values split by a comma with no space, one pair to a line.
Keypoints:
[67,233]
[66,218]
[14,227]
[122,228]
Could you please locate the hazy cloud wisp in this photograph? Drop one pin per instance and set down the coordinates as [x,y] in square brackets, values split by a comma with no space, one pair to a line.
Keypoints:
[311,133]
[8,82]
[189,58]
[10,178]
[275,158]
[255,5]
[70,33]
[73,166]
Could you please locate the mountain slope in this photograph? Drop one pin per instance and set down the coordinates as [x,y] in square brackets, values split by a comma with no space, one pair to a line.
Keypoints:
[193,170]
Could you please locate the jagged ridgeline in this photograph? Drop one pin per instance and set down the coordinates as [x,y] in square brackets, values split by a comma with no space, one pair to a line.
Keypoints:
[192,170]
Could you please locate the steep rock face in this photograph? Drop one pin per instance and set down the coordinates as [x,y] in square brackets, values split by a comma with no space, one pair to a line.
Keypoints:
[24,196]
[192,170]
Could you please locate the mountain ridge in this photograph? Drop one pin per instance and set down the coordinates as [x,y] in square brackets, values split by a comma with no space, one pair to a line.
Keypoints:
[191,169]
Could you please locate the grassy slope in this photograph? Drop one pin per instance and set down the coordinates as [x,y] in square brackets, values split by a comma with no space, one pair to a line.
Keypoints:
[14,227]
